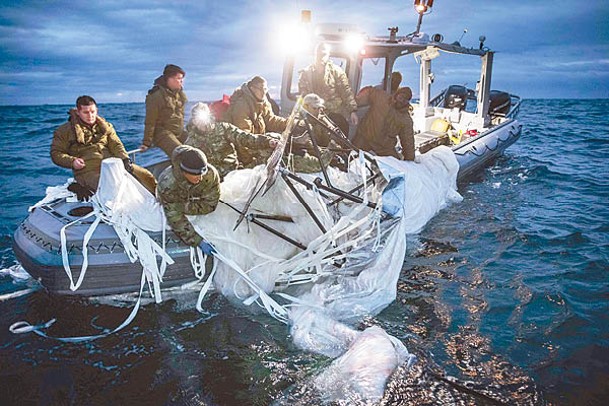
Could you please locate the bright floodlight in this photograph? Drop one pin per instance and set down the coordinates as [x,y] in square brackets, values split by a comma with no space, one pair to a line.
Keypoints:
[293,39]
[201,116]
[422,6]
[354,43]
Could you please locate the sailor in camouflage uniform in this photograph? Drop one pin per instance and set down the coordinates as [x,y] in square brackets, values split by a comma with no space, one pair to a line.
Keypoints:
[164,123]
[223,142]
[84,141]
[189,187]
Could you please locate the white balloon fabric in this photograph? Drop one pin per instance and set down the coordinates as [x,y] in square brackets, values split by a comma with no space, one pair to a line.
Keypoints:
[344,266]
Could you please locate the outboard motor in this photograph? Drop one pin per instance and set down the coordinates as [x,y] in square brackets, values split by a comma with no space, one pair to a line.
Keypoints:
[500,103]
[455,97]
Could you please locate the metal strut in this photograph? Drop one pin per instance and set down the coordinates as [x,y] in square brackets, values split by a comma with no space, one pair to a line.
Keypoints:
[302,201]
[344,195]
[355,189]
[252,217]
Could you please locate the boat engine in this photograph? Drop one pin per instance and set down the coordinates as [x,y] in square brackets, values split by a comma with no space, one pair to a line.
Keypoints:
[500,103]
[455,97]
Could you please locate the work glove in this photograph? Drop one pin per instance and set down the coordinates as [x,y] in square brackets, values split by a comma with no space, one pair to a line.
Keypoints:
[207,248]
[83,193]
[128,165]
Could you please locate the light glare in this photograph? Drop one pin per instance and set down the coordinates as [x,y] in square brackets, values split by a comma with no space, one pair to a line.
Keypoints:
[293,39]
[353,43]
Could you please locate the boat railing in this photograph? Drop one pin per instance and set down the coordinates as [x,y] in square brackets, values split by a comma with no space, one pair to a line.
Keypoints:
[133,154]
[438,100]
[514,106]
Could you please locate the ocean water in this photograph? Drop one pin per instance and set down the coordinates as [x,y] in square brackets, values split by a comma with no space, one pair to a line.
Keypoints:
[503,298]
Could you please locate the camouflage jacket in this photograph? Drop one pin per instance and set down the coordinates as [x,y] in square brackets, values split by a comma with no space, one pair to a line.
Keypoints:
[249,114]
[331,84]
[223,144]
[76,139]
[164,112]
[382,125]
[179,197]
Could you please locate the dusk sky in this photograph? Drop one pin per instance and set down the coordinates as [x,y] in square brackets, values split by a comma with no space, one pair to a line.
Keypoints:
[53,51]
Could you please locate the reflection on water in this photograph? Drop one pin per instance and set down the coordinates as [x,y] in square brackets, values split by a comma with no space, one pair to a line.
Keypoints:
[503,299]
[471,372]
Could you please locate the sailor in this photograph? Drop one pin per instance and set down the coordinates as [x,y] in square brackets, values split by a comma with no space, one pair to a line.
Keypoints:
[190,186]
[164,124]
[330,82]
[386,121]
[314,105]
[396,80]
[251,111]
[84,141]
[222,142]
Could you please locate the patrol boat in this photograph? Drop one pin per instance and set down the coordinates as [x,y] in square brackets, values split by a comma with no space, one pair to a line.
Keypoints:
[476,124]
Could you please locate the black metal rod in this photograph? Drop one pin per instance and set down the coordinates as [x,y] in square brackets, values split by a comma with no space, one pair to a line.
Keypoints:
[317,151]
[277,217]
[305,205]
[277,233]
[342,194]
[355,189]
[335,132]
[303,182]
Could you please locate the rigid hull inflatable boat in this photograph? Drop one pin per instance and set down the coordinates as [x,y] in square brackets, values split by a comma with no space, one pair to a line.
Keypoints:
[476,125]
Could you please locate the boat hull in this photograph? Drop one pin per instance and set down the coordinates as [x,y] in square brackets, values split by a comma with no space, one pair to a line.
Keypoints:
[478,152]
[36,244]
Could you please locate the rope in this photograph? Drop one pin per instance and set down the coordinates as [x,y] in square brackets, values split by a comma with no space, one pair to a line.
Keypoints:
[22,327]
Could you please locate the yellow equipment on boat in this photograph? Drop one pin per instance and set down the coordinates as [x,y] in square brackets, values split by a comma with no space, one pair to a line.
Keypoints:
[440,125]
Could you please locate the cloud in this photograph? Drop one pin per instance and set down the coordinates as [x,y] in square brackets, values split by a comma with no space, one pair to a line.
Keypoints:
[56,50]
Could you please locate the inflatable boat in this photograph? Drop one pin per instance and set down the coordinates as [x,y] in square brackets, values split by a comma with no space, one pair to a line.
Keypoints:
[477,125]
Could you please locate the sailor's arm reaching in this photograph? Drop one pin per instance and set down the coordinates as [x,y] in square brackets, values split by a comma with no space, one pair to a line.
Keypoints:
[189,187]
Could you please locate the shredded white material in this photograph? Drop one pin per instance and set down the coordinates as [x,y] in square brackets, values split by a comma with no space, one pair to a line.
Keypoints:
[54,193]
[346,272]
[125,204]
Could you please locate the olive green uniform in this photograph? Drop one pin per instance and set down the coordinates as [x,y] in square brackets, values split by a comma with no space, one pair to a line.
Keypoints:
[164,124]
[382,125]
[252,115]
[331,84]
[92,143]
[179,197]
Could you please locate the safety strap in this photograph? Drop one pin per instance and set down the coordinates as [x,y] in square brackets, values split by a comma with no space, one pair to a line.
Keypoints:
[85,242]
[22,327]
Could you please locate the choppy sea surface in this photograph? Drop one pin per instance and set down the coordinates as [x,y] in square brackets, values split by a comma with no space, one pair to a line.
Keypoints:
[503,298]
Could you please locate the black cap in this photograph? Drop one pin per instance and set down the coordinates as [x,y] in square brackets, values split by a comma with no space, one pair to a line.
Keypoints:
[193,161]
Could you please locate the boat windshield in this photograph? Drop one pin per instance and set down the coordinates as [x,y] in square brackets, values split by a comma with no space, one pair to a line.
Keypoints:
[373,71]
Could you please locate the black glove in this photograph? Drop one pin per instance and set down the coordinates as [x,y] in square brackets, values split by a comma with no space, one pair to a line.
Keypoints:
[83,193]
[128,165]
